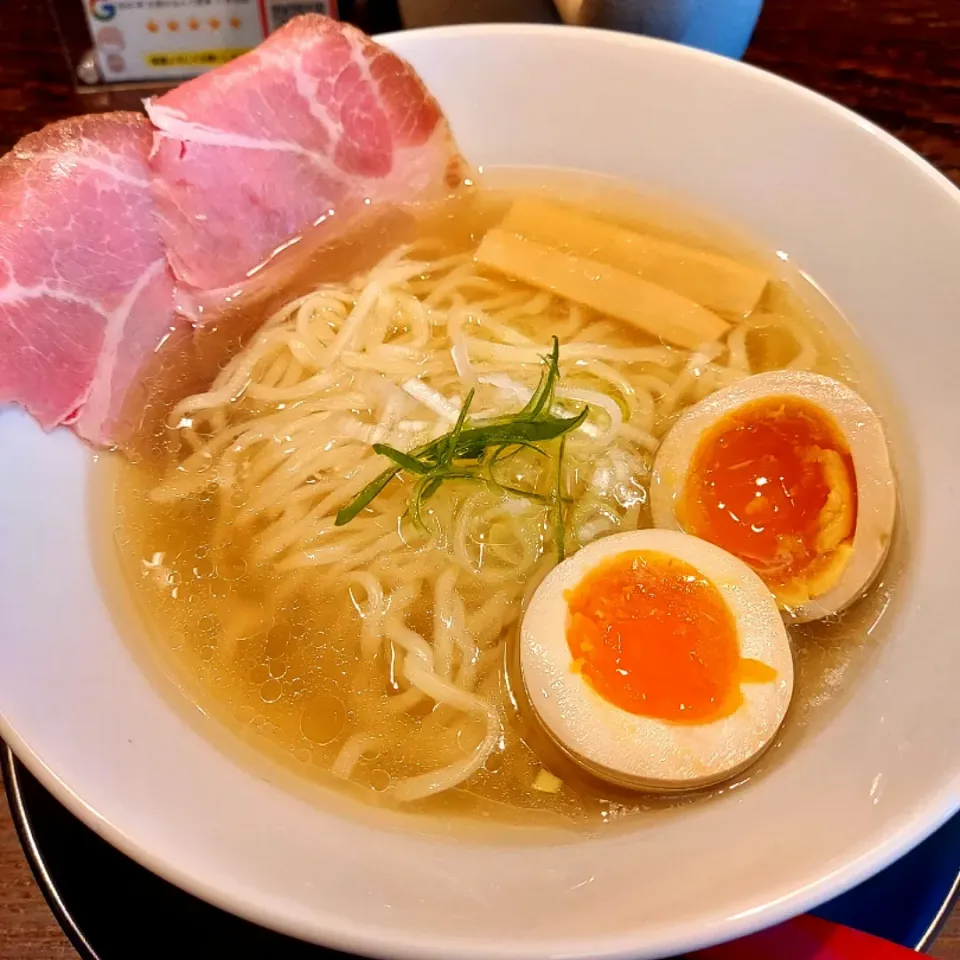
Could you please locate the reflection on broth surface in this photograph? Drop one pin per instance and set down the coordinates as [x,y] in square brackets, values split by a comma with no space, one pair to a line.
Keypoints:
[381,653]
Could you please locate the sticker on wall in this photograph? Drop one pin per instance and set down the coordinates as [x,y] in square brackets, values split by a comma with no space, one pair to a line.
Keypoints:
[172,39]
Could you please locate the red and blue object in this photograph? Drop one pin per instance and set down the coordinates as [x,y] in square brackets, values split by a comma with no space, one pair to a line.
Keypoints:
[889,916]
[807,938]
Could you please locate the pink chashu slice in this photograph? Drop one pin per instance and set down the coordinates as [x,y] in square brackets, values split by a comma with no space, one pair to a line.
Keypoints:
[94,211]
[299,136]
[85,290]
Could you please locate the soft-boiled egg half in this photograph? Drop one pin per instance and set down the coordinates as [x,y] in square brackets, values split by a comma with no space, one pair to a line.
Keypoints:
[656,660]
[790,472]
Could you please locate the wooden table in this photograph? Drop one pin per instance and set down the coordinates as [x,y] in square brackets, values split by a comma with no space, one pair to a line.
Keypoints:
[895,61]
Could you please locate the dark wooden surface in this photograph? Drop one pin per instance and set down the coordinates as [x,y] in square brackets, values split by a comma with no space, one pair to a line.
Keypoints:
[895,61]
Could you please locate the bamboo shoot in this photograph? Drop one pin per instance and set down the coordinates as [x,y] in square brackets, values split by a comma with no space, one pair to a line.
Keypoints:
[655,310]
[714,281]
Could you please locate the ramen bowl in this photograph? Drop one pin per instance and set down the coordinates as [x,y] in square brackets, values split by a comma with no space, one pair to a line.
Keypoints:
[878,228]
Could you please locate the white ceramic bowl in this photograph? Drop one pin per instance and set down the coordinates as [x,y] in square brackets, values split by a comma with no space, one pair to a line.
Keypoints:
[880,231]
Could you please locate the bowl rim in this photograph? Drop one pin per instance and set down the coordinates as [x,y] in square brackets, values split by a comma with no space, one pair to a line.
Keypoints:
[347,936]
[23,819]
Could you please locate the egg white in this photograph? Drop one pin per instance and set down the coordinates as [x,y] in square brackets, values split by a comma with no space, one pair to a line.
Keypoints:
[644,752]
[863,432]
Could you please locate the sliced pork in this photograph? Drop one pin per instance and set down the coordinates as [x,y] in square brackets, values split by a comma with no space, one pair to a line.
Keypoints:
[302,135]
[301,131]
[85,291]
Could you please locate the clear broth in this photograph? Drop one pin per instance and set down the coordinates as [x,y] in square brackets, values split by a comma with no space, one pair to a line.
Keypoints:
[295,687]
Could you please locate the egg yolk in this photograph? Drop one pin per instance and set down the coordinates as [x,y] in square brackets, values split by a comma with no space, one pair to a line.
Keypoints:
[654,637]
[773,483]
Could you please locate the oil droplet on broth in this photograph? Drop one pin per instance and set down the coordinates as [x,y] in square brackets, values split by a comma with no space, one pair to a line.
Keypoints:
[271,691]
[323,719]
[277,642]
[231,568]
[494,762]
[380,780]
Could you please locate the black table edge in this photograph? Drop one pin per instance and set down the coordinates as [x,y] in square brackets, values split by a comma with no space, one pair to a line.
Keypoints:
[24,828]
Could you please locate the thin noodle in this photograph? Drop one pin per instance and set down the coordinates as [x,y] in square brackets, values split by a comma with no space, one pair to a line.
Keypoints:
[283,437]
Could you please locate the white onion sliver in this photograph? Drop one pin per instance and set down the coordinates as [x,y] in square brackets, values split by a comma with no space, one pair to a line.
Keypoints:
[431,399]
